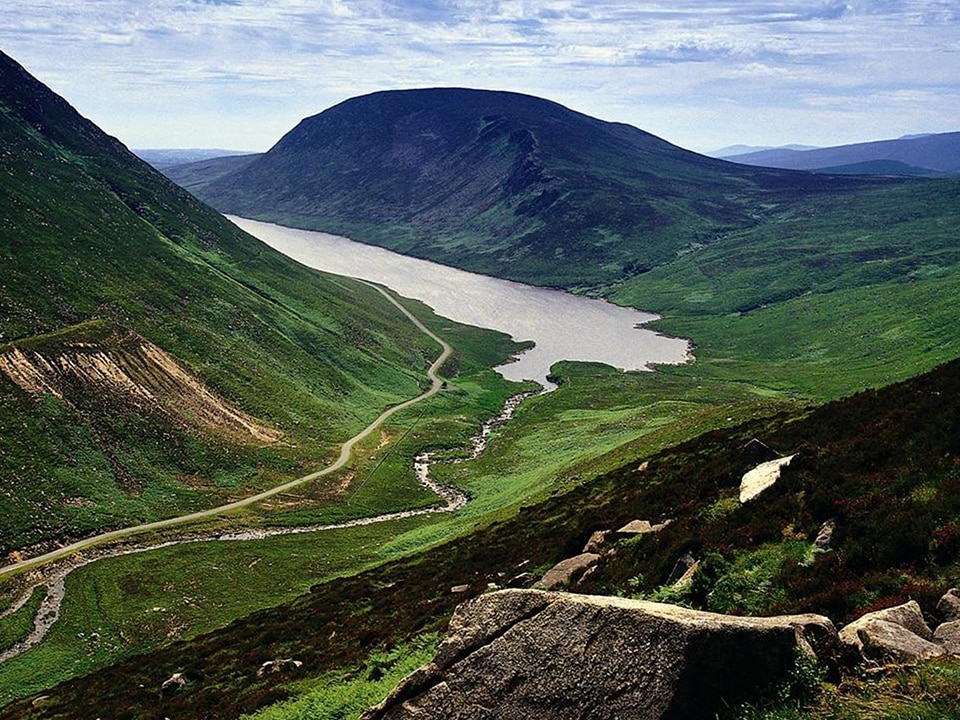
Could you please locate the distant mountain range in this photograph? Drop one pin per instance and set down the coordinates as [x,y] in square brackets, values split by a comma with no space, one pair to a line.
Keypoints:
[498,182]
[910,155]
[162,158]
[732,150]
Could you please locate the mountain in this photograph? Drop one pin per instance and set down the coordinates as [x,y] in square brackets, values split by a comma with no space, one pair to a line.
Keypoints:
[153,357]
[732,150]
[502,183]
[162,158]
[929,154]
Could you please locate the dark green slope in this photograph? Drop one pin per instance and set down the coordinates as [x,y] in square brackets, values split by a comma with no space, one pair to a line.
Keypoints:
[97,245]
[502,183]
[884,465]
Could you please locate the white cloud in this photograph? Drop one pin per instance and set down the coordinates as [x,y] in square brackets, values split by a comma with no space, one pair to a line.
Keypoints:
[241,72]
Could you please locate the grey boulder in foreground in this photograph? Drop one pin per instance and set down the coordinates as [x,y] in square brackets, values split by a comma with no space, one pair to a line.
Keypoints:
[527,654]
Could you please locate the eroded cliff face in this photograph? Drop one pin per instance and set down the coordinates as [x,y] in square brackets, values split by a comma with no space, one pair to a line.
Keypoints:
[527,654]
[124,369]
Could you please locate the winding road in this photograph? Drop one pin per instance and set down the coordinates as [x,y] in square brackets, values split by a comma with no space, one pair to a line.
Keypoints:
[346,451]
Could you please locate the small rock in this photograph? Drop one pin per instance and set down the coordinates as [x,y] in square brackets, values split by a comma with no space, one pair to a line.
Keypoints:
[885,641]
[635,527]
[640,527]
[949,605]
[458,589]
[681,568]
[522,580]
[687,576]
[825,535]
[174,682]
[947,636]
[897,634]
[566,571]
[597,539]
[279,665]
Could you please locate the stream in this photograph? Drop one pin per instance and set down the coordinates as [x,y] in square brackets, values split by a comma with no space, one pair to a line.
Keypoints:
[453,499]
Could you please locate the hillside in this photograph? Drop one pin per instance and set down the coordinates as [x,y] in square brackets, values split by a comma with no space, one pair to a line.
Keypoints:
[155,359]
[921,155]
[882,465]
[501,183]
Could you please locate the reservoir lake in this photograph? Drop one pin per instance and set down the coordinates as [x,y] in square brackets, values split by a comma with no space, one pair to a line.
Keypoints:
[562,326]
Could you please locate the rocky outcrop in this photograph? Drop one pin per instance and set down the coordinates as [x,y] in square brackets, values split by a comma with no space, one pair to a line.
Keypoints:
[120,368]
[897,634]
[525,654]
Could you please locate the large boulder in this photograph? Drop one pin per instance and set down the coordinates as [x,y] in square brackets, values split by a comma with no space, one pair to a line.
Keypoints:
[896,634]
[526,654]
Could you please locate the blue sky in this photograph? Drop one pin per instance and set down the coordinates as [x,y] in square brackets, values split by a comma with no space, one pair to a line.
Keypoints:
[701,73]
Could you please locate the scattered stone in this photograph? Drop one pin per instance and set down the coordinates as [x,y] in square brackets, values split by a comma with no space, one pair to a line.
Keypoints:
[687,576]
[640,527]
[897,634]
[174,682]
[492,586]
[949,605]
[635,527]
[642,467]
[596,541]
[578,656]
[825,535]
[681,568]
[522,580]
[762,477]
[947,635]
[567,571]
[279,665]
[458,589]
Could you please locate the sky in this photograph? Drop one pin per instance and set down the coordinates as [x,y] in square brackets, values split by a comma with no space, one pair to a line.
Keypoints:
[703,74]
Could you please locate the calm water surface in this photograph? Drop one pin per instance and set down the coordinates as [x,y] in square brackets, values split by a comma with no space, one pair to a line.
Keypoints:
[563,326]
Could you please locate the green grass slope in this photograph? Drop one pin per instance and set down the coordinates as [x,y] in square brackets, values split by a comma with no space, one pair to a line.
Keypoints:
[94,238]
[851,292]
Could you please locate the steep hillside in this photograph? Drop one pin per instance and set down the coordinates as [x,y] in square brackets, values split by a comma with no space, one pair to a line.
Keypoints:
[154,357]
[926,154]
[883,466]
[502,183]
